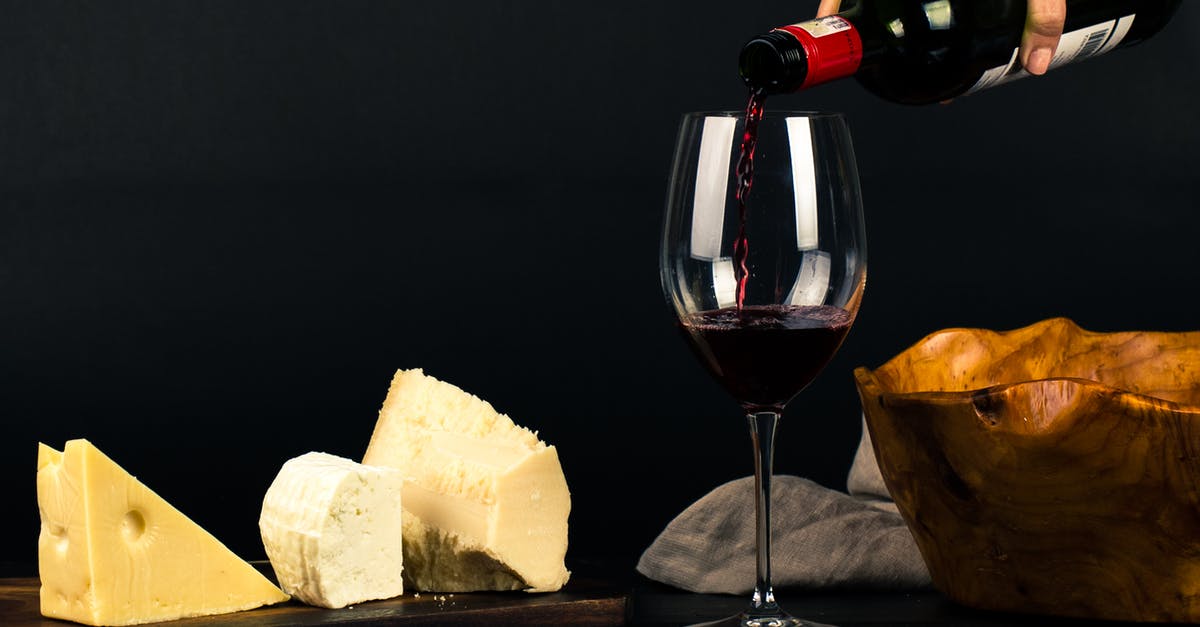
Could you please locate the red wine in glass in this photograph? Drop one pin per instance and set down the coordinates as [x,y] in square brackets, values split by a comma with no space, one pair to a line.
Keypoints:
[766,354]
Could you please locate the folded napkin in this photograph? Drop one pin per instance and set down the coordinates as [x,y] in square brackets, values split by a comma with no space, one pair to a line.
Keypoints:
[821,538]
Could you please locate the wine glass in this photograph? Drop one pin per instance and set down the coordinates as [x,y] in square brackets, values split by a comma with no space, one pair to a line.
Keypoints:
[764,260]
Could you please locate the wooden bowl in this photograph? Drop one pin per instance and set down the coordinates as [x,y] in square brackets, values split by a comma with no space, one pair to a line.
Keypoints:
[1048,469]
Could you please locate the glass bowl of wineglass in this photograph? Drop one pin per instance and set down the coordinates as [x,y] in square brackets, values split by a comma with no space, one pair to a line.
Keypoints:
[764,261]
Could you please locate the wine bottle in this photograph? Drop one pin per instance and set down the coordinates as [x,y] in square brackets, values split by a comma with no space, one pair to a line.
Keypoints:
[919,52]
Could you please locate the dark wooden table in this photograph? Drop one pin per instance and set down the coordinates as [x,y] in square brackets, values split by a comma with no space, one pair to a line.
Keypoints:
[657,606]
[598,594]
[583,602]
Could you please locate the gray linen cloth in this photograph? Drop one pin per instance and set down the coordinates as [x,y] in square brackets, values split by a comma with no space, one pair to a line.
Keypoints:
[821,538]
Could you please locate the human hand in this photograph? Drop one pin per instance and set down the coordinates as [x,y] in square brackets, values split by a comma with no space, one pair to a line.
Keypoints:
[1044,21]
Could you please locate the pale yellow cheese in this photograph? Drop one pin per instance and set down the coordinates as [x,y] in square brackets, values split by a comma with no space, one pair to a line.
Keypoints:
[112,552]
[485,502]
[332,530]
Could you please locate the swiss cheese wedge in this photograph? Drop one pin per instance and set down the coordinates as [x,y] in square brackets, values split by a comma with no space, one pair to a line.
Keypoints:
[112,552]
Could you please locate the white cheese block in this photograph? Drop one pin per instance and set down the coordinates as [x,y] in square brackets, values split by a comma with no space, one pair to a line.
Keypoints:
[485,501]
[332,529]
[112,552]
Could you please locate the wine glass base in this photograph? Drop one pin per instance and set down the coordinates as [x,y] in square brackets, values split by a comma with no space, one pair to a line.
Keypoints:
[747,620]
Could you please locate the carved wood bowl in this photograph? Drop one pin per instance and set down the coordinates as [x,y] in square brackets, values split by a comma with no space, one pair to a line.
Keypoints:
[1048,469]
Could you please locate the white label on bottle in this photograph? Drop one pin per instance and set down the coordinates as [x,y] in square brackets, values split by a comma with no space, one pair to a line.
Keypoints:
[1076,45]
[823,26]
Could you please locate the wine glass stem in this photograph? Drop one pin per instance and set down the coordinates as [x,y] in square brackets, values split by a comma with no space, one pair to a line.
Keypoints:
[762,436]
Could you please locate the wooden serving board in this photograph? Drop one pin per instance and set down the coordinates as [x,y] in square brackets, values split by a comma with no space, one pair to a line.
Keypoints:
[582,602]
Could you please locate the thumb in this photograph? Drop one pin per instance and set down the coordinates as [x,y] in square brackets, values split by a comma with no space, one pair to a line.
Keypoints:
[1043,27]
[828,7]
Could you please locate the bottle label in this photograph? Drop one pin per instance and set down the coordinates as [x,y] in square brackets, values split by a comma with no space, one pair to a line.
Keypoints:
[1076,45]
[833,46]
[823,26]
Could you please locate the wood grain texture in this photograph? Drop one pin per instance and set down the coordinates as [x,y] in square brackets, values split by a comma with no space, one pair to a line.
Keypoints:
[589,603]
[1048,469]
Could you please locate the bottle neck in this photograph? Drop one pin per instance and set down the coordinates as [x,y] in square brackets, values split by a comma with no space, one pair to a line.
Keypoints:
[832,46]
[799,56]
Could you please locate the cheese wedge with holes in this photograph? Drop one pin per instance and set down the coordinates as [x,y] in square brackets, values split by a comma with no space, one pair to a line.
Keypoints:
[112,552]
[331,527]
[485,502]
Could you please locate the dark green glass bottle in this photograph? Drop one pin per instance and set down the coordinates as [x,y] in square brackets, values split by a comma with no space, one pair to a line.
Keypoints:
[919,52]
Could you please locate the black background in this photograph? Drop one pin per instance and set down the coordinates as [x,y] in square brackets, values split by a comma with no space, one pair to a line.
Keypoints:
[223,226]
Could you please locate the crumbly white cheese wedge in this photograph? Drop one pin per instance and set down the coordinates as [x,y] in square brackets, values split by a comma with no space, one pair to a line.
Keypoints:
[332,529]
[112,552]
[485,502]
